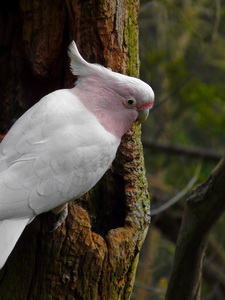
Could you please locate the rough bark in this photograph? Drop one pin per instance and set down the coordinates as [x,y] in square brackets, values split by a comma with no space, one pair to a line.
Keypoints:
[95,253]
[203,208]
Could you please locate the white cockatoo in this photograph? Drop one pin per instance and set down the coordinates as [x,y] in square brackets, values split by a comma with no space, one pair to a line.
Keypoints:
[62,146]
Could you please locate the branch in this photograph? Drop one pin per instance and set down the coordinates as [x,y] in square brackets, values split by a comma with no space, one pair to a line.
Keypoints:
[149,288]
[179,195]
[194,152]
[204,207]
[217,20]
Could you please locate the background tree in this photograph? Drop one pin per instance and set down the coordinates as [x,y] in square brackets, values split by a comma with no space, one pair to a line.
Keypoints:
[95,253]
[204,207]
[182,54]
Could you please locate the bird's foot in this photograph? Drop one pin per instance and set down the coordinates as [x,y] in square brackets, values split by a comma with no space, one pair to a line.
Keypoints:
[62,212]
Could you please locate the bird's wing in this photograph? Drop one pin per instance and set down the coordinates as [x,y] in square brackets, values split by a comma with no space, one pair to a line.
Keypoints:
[10,231]
[55,152]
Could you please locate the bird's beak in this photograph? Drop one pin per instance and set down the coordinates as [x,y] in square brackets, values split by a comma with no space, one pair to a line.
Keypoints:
[142,115]
[143,111]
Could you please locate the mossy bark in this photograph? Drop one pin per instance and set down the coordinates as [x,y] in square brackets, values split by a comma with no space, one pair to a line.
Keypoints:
[94,254]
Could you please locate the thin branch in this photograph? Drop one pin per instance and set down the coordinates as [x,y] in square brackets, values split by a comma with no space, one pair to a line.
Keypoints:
[150,288]
[178,196]
[183,150]
[217,19]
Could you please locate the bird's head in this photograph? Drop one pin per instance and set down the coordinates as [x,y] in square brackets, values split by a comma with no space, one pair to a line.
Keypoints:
[131,93]
[136,94]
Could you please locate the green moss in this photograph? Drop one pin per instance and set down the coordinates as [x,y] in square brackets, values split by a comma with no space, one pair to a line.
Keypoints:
[131,39]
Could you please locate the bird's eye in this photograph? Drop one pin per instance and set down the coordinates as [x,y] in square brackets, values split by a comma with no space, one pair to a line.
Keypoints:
[130,102]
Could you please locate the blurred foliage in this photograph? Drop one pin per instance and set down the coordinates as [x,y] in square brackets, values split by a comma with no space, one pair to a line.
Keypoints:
[182,57]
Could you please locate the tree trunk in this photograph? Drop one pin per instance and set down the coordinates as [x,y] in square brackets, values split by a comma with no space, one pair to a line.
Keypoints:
[203,208]
[94,254]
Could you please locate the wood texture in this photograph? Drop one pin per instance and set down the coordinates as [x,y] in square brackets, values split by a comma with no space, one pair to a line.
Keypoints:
[204,207]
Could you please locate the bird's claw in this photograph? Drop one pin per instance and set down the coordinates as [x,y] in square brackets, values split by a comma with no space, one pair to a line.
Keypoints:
[61,218]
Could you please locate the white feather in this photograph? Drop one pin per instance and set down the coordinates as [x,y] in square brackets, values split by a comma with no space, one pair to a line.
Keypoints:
[79,66]
[55,152]
[10,231]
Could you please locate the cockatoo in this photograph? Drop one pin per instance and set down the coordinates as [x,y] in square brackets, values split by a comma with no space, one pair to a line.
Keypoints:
[61,147]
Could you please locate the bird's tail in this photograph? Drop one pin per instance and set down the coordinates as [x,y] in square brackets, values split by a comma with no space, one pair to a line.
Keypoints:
[10,231]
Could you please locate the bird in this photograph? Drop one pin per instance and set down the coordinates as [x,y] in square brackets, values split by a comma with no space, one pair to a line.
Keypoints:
[62,146]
